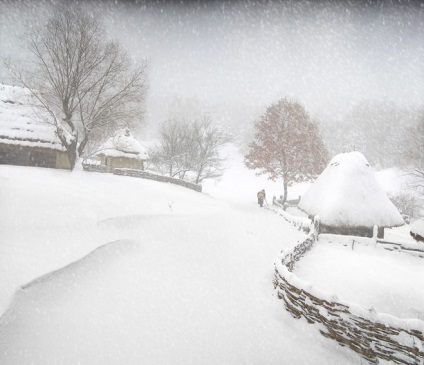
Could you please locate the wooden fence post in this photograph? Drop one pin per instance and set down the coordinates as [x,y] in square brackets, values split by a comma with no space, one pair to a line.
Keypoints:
[375,234]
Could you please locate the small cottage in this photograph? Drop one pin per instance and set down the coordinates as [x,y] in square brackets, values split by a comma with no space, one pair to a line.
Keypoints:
[23,140]
[349,200]
[123,151]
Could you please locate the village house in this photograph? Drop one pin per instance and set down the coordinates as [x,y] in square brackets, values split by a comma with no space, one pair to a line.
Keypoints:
[23,140]
[123,151]
[349,200]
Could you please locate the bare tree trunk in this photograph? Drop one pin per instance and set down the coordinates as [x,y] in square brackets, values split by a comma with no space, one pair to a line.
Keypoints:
[71,150]
[197,178]
[285,192]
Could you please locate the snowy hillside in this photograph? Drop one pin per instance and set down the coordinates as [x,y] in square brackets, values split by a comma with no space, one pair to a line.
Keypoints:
[177,277]
[104,269]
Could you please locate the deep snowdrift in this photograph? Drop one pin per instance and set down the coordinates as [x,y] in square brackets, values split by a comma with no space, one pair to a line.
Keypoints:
[372,277]
[175,276]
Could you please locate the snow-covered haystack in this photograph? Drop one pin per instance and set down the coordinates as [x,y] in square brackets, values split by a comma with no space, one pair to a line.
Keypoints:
[348,198]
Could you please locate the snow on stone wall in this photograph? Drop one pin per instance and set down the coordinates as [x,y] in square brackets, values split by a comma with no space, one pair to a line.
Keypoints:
[147,175]
[299,222]
[373,335]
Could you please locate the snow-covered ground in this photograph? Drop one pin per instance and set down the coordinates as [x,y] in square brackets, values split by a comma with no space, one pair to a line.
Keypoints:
[175,276]
[367,275]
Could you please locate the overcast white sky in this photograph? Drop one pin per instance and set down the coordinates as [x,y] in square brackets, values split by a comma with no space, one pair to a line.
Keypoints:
[234,58]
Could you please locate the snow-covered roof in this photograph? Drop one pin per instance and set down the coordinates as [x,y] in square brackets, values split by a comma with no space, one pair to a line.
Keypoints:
[123,144]
[17,125]
[348,194]
[418,227]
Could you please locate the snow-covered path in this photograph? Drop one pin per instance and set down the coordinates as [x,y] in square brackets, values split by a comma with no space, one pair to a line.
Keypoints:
[186,279]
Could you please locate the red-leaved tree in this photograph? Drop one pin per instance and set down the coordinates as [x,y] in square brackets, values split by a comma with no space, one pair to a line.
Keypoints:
[287,145]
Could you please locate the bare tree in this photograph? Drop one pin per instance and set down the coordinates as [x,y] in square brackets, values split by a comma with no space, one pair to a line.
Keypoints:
[189,146]
[407,202]
[173,154]
[382,131]
[414,151]
[86,87]
[417,179]
[208,139]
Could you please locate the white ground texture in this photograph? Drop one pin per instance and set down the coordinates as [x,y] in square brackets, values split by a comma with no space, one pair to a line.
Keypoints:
[366,275]
[103,269]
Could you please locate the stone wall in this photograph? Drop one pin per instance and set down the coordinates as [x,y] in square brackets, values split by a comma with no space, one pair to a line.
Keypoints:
[301,223]
[94,167]
[373,335]
[147,175]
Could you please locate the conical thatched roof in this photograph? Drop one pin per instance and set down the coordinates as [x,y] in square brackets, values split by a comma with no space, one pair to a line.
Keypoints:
[347,194]
[123,144]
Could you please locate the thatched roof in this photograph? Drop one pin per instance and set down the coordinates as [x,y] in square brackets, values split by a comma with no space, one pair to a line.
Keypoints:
[347,194]
[123,144]
[417,228]
[18,126]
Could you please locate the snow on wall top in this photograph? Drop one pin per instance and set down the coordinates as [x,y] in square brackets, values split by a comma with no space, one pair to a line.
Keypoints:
[348,194]
[17,124]
[123,144]
[418,227]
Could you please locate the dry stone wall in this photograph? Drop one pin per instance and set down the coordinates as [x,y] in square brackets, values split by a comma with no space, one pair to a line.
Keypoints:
[147,175]
[94,168]
[373,335]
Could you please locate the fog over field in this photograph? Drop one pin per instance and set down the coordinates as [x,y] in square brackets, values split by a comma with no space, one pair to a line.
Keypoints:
[232,59]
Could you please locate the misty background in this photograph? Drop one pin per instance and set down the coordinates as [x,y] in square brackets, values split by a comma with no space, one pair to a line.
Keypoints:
[357,67]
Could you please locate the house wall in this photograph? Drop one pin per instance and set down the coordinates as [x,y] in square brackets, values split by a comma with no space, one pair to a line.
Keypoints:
[32,156]
[62,160]
[348,231]
[121,163]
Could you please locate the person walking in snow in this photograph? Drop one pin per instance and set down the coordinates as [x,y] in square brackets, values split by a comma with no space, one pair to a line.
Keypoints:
[261,197]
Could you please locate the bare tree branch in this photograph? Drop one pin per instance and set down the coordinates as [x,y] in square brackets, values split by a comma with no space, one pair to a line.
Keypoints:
[86,85]
[190,147]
